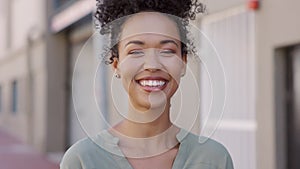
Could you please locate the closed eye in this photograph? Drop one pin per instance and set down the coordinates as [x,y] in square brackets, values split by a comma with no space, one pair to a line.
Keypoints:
[136,52]
[168,51]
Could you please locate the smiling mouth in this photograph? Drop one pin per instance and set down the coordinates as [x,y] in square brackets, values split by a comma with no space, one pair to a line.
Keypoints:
[152,85]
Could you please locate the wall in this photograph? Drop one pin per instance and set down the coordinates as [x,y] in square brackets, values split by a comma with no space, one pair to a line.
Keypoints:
[56,87]
[217,5]
[23,59]
[276,25]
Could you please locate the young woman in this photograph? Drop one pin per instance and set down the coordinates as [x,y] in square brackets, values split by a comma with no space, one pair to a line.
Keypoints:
[149,55]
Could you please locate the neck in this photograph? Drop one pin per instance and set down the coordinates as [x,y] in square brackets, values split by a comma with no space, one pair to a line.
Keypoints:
[145,124]
[142,141]
[147,139]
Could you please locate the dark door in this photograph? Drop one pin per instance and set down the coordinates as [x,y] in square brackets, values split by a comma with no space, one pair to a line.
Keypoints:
[293,108]
[287,99]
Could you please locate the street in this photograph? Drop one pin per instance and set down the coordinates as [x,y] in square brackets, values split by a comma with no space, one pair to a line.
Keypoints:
[16,155]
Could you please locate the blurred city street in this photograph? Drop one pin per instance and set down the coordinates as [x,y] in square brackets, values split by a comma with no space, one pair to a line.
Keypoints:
[16,155]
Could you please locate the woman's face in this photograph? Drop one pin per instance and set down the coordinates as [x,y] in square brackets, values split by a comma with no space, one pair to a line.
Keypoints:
[150,61]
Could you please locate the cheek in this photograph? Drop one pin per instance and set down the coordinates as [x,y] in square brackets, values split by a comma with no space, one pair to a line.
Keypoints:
[128,69]
[129,66]
[174,67]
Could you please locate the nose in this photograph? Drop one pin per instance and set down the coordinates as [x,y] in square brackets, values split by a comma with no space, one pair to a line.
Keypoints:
[152,61]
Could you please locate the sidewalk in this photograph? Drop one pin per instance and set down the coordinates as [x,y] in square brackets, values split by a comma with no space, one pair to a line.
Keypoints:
[16,155]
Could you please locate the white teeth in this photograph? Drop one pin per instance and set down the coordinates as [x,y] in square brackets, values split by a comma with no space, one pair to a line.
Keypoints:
[152,83]
[155,83]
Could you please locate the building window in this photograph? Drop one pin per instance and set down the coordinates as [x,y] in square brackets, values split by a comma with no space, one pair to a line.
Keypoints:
[14,101]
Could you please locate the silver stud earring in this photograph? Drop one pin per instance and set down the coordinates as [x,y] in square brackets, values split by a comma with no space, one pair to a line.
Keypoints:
[117,75]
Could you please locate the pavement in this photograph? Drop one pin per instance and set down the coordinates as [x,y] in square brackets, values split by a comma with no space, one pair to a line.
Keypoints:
[16,155]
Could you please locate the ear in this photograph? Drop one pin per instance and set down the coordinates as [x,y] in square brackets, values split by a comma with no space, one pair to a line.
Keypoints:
[184,58]
[115,65]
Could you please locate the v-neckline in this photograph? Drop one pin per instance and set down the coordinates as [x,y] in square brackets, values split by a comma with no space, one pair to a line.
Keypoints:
[110,143]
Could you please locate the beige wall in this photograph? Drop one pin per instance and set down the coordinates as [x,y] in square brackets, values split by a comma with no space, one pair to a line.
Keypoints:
[232,33]
[3,28]
[25,62]
[26,16]
[56,87]
[213,6]
[37,59]
[276,25]
[10,70]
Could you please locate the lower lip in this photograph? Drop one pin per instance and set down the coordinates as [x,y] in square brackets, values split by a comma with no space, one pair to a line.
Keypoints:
[153,89]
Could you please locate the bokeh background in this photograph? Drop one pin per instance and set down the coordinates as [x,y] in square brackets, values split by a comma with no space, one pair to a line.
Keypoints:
[259,45]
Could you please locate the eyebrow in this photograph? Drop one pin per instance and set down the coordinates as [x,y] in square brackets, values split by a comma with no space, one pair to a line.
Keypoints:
[137,42]
[168,41]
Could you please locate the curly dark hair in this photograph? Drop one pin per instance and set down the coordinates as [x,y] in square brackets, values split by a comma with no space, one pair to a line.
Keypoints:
[111,10]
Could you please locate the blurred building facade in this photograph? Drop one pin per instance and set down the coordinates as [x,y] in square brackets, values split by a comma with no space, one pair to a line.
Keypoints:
[33,88]
[259,49]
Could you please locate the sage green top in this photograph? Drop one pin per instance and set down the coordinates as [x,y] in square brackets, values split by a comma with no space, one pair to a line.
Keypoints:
[102,152]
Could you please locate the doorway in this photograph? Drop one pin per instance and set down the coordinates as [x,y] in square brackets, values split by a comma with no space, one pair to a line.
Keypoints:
[287,94]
